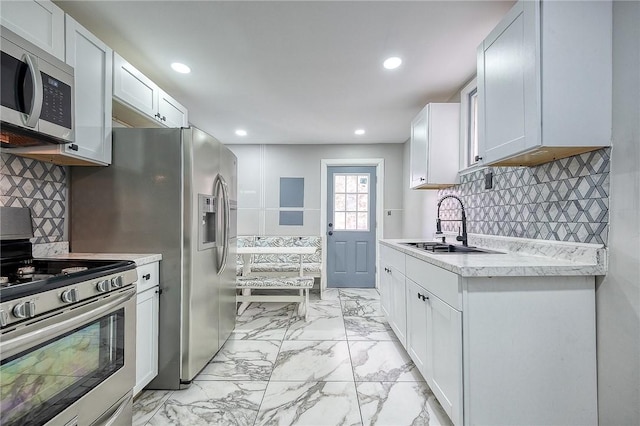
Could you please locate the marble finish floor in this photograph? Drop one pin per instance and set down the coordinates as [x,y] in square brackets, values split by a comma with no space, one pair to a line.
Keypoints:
[343,366]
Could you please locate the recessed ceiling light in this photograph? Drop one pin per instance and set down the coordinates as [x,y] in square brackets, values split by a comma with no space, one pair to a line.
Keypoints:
[392,63]
[181,68]
[359,132]
[241,132]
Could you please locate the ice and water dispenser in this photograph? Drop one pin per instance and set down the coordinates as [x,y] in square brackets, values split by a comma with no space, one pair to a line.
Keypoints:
[207,212]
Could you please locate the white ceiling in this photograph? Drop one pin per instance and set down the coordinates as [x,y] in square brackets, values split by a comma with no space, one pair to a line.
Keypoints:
[298,71]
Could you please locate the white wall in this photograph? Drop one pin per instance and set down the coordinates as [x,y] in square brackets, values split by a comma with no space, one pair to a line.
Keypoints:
[419,215]
[618,295]
[260,168]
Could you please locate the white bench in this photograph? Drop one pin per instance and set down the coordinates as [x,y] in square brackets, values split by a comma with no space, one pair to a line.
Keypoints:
[247,283]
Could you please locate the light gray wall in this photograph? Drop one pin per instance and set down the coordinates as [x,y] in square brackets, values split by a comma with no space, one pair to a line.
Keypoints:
[260,168]
[618,295]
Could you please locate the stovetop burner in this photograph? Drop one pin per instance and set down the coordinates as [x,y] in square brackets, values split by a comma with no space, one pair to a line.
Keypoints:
[29,276]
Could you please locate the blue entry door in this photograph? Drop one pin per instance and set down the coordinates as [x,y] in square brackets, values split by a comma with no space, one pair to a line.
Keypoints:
[351,226]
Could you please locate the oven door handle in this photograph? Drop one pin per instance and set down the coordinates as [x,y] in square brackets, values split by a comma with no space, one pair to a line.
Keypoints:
[16,344]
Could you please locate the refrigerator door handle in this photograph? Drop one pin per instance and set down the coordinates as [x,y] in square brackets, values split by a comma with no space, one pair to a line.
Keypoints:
[220,189]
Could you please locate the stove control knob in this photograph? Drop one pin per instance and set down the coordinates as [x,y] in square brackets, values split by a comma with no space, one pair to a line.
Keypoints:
[69,296]
[4,318]
[25,310]
[117,282]
[103,286]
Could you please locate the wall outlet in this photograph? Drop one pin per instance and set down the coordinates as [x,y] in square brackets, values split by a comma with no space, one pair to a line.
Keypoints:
[488,180]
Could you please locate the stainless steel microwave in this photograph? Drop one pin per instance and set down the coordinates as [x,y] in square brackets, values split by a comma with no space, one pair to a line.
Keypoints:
[37,95]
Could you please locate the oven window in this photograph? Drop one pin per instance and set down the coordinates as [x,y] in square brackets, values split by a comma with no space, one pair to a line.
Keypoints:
[41,382]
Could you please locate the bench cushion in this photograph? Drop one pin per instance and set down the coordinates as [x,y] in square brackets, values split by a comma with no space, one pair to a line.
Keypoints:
[308,268]
[274,282]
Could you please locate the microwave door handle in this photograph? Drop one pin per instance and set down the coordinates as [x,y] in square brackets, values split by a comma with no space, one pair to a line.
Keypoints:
[32,118]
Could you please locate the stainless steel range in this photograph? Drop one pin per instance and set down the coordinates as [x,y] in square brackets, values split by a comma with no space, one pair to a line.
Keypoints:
[67,334]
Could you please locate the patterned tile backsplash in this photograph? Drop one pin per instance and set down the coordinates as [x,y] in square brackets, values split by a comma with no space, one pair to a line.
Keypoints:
[40,186]
[564,200]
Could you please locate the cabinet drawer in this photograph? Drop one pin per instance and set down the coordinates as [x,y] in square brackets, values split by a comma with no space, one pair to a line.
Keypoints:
[148,276]
[440,282]
[391,257]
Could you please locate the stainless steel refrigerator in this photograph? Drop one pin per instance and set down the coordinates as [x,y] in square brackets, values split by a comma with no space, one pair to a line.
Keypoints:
[168,191]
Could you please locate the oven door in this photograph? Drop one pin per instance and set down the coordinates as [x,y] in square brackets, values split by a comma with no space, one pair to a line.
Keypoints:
[74,368]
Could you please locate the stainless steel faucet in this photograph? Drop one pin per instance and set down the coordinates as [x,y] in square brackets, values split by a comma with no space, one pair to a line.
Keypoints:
[439,221]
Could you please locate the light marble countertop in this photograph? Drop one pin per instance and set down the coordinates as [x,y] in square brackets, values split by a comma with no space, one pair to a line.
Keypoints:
[139,258]
[519,257]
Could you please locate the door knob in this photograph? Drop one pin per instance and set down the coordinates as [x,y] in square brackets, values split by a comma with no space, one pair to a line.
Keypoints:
[330,225]
[330,232]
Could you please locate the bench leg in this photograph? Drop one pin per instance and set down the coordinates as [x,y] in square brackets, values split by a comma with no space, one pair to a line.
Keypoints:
[301,303]
[306,304]
[244,305]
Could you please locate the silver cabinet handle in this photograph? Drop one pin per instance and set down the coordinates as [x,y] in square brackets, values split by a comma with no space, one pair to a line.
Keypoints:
[36,103]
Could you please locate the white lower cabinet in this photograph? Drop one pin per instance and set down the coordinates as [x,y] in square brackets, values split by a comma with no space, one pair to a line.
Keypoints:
[148,309]
[444,355]
[416,335]
[500,350]
[398,305]
[434,343]
[393,292]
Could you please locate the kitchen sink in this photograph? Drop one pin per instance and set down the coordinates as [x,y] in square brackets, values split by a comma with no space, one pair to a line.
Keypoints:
[444,248]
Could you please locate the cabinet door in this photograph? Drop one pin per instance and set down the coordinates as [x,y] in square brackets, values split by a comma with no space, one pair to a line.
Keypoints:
[385,290]
[92,62]
[133,88]
[444,356]
[39,21]
[419,139]
[507,86]
[398,306]
[417,325]
[171,112]
[146,338]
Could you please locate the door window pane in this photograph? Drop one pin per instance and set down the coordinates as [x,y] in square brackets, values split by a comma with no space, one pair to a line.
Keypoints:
[351,202]
[363,202]
[351,221]
[352,183]
[339,221]
[363,184]
[362,221]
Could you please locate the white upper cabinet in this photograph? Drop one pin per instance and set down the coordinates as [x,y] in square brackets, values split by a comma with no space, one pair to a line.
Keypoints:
[133,88]
[133,91]
[435,146]
[545,83]
[39,21]
[92,63]
[170,112]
